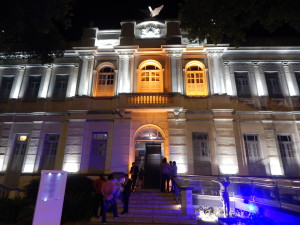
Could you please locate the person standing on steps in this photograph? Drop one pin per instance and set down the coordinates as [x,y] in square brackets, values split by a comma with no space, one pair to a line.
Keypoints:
[141,178]
[134,170]
[126,193]
[98,195]
[173,175]
[108,192]
[165,175]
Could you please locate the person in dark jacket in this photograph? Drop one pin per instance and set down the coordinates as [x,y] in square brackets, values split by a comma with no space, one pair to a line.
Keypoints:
[126,193]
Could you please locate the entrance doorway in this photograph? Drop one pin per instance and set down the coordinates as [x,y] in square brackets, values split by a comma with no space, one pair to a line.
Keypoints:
[152,166]
[149,150]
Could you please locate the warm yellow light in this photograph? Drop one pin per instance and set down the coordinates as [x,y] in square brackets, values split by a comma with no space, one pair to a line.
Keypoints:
[23,138]
[195,79]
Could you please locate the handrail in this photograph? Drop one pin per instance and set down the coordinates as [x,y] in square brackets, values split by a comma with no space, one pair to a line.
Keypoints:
[9,192]
[278,192]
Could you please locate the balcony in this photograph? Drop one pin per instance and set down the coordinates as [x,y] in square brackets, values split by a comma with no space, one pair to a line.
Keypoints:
[146,99]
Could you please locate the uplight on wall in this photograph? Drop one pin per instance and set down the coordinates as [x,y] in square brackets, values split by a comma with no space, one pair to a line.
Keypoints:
[71,167]
[228,166]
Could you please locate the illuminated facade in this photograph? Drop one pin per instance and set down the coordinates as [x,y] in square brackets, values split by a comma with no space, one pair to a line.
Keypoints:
[129,94]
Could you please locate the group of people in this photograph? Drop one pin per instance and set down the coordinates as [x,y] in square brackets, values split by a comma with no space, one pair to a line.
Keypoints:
[168,173]
[108,191]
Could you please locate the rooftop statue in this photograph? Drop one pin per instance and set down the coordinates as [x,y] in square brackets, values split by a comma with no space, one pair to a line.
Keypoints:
[155,11]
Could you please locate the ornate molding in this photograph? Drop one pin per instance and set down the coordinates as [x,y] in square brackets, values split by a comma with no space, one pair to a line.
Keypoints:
[285,63]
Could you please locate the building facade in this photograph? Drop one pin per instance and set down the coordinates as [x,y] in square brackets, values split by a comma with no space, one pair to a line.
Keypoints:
[145,92]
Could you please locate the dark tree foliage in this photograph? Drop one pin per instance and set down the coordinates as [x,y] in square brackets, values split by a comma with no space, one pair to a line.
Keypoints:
[34,28]
[233,20]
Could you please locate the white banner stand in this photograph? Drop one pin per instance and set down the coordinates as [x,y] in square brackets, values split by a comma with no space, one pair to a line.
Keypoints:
[49,203]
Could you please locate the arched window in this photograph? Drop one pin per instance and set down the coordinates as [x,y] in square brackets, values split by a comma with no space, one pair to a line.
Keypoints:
[195,79]
[148,133]
[105,81]
[150,77]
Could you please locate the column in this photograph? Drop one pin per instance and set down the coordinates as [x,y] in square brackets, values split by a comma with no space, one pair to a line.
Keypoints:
[45,82]
[16,87]
[125,72]
[276,168]
[217,84]
[176,71]
[83,75]
[225,141]
[73,82]
[229,80]
[89,76]
[290,80]
[260,83]
[52,81]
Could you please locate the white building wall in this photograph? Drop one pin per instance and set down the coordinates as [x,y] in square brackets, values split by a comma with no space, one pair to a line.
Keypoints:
[74,143]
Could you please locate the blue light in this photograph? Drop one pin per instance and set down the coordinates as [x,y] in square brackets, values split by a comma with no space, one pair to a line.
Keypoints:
[252,208]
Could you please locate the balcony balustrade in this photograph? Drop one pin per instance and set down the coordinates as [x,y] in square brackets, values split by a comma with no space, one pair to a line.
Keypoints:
[148,98]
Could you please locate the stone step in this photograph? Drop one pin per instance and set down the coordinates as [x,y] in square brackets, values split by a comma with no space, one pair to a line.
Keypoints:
[161,215]
[154,201]
[156,197]
[148,220]
[152,210]
[151,206]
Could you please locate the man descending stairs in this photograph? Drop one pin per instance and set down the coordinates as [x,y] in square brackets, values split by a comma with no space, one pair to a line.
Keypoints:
[150,207]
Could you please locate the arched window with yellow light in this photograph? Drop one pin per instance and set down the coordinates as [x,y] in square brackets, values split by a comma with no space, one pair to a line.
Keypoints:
[150,77]
[105,81]
[195,79]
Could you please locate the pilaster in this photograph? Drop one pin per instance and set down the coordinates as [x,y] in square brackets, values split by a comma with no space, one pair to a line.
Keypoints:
[225,142]
[217,79]
[86,71]
[125,72]
[71,90]
[290,80]
[229,80]
[260,81]
[16,87]
[271,147]
[73,145]
[177,139]
[176,71]
[45,82]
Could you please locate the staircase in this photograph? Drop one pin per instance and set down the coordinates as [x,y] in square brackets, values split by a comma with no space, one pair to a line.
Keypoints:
[150,207]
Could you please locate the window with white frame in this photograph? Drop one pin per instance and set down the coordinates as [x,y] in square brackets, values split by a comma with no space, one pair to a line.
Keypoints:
[33,87]
[16,161]
[253,155]
[105,82]
[288,155]
[242,84]
[150,77]
[49,152]
[60,87]
[201,152]
[273,85]
[5,87]
[195,79]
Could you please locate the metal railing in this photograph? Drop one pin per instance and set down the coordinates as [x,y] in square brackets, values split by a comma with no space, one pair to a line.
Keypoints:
[10,192]
[277,192]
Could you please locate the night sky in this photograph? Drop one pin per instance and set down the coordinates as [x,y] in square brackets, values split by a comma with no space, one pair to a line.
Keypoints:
[108,14]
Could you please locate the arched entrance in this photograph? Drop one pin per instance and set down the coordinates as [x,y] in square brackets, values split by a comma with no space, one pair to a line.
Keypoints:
[149,150]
